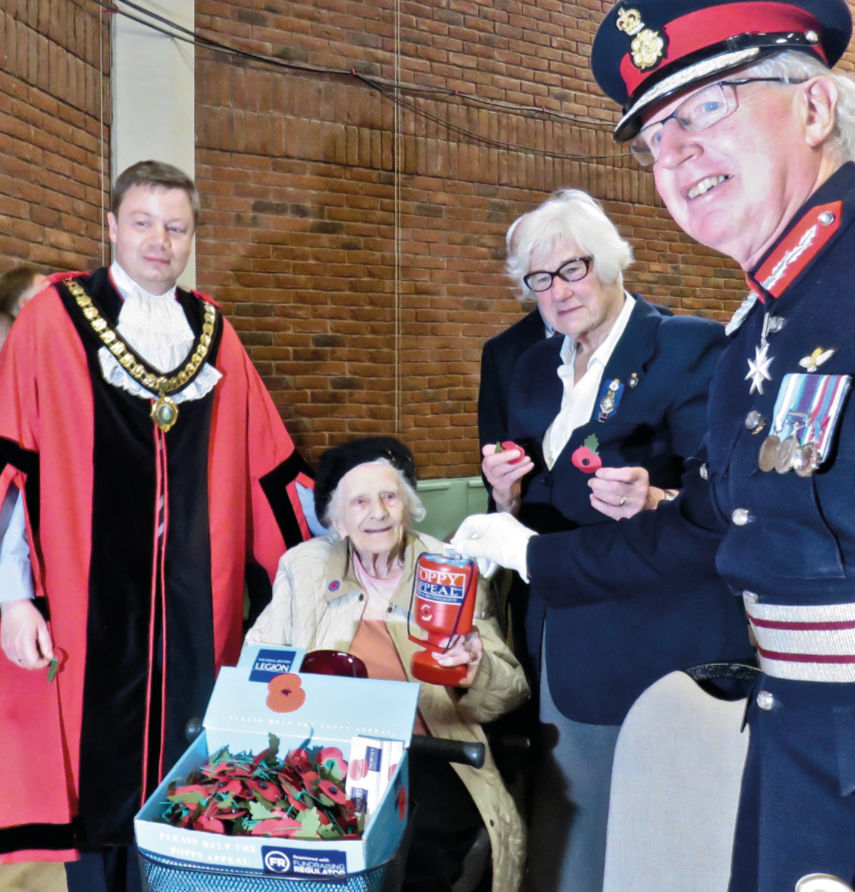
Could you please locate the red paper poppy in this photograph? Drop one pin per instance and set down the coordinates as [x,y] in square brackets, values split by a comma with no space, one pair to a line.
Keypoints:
[505,445]
[586,457]
[265,790]
[211,825]
[265,796]
[284,827]
[310,781]
[295,802]
[298,760]
[331,762]
[332,791]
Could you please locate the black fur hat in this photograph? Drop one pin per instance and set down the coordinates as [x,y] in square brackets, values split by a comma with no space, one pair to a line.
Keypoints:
[338,460]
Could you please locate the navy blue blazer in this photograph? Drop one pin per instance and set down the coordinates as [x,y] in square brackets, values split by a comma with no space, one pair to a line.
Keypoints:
[602,655]
[498,358]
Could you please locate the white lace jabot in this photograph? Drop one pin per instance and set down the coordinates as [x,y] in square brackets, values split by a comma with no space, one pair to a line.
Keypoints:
[155,327]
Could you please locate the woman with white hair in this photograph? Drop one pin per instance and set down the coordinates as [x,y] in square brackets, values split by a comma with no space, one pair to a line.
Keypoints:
[604,417]
[350,590]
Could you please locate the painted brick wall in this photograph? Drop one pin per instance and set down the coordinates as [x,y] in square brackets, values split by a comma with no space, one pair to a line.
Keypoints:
[55,121]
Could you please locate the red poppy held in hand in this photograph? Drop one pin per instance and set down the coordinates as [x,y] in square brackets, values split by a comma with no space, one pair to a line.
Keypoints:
[286,693]
[505,445]
[585,458]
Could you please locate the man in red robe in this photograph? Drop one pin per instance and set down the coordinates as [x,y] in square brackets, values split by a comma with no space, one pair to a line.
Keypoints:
[148,467]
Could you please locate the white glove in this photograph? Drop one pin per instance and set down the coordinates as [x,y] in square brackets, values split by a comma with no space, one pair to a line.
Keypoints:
[496,538]
[485,568]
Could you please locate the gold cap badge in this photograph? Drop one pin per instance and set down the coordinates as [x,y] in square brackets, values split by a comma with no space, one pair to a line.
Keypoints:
[648,46]
[629,21]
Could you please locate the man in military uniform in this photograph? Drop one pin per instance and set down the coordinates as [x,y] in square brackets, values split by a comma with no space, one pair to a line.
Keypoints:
[750,138]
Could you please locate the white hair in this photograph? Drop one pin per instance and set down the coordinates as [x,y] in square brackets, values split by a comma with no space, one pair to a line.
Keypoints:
[795,66]
[414,510]
[568,215]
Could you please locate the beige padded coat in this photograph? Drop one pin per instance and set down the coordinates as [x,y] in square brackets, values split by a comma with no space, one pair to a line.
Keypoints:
[318,603]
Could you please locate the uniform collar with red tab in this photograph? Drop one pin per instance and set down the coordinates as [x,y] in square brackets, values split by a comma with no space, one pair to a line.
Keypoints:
[795,251]
[801,244]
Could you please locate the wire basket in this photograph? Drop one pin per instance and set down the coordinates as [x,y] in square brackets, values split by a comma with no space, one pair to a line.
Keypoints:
[163,874]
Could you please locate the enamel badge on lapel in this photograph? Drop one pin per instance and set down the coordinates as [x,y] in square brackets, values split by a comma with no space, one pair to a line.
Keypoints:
[609,399]
[816,359]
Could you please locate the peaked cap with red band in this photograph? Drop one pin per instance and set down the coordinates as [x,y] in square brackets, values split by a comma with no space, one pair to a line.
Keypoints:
[647,51]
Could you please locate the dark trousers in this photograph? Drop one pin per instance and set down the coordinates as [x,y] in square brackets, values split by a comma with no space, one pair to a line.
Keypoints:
[113,869]
[445,825]
[797,801]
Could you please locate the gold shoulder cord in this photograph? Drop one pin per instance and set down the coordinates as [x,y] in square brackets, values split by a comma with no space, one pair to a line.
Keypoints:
[164,411]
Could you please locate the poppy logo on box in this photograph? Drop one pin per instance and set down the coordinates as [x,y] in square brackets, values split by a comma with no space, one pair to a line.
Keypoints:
[276,861]
[270,663]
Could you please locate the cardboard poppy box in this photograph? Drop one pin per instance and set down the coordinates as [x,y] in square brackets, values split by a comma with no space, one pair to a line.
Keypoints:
[238,716]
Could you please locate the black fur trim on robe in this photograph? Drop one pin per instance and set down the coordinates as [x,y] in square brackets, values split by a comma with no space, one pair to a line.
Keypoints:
[259,589]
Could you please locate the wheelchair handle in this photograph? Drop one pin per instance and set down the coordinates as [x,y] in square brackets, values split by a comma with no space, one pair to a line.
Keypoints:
[460,751]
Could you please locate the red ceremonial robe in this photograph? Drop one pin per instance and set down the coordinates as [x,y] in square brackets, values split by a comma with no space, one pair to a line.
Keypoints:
[139,543]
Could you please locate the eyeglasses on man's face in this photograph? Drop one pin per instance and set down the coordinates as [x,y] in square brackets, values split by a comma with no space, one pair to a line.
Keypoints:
[570,271]
[696,113]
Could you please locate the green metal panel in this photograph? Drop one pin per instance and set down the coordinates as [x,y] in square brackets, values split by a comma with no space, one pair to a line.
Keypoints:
[448,501]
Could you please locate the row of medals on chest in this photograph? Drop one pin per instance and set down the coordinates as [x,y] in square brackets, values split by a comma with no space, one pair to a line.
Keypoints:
[798,451]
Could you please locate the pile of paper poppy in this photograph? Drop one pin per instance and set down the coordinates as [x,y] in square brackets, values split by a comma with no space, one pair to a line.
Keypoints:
[301,796]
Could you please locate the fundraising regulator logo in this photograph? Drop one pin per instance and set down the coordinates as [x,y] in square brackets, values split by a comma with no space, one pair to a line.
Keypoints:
[329,867]
[276,861]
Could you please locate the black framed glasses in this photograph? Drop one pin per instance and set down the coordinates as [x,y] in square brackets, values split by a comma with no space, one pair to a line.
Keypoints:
[570,271]
[696,113]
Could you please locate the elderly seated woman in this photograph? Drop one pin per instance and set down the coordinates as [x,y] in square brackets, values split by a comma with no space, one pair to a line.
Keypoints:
[350,590]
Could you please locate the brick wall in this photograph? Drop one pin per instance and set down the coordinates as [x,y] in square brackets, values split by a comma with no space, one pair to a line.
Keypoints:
[361,254]
[55,120]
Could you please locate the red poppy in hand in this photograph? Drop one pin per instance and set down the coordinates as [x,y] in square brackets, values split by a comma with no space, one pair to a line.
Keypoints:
[505,445]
